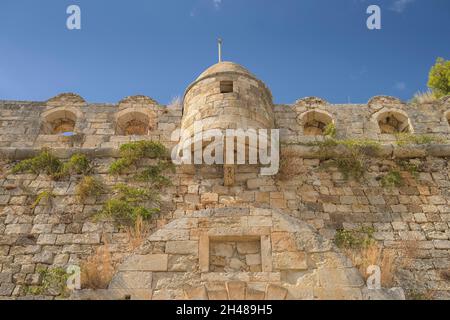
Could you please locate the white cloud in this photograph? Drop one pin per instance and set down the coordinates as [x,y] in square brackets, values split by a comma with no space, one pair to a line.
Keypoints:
[217,4]
[400,5]
[400,86]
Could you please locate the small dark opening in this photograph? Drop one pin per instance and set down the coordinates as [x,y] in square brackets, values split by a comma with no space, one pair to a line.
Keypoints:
[226,86]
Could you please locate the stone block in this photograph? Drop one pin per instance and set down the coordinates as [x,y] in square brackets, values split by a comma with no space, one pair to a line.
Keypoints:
[132,280]
[275,292]
[266,254]
[203,253]
[153,262]
[182,263]
[263,197]
[198,293]
[6,289]
[254,295]
[253,259]
[5,277]
[41,228]
[411,235]
[192,199]
[246,247]
[256,221]
[218,295]
[442,244]
[236,290]
[170,235]
[64,239]
[340,277]
[4,250]
[222,249]
[290,261]
[45,257]
[86,238]
[209,197]
[182,247]
[18,229]
[282,242]
[89,227]
[337,293]
[46,239]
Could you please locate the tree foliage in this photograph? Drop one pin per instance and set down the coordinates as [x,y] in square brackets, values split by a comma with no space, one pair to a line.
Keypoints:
[439,78]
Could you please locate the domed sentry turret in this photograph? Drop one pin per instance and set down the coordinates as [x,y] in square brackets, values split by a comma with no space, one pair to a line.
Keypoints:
[227,96]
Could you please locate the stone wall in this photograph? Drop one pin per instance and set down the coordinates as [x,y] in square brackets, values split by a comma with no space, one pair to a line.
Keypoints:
[296,263]
[415,215]
[235,256]
[96,125]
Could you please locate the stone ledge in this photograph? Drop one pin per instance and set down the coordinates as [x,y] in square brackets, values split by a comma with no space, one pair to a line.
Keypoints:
[63,153]
[386,150]
[305,152]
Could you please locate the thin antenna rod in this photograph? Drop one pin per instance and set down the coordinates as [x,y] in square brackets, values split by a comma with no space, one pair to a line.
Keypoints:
[219,41]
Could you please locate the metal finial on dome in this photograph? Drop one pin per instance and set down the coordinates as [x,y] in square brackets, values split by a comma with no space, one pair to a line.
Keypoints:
[220,41]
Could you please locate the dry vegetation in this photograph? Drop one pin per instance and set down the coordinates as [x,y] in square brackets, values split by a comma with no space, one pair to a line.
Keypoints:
[175,103]
[138,233]
[424,97]
[89,187]
[364,251]
[374,255]
[97,271]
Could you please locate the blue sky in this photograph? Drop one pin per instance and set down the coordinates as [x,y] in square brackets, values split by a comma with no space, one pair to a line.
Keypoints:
[157,47]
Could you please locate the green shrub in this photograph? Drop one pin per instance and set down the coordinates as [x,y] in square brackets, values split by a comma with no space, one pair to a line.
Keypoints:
[89,187]
[405,139]
[45,162]
[410,167]
[439,78]
[330,130]
[353,146]
[392,179]
[54,282]
[354,239]
[154,175]
[143,149]
[77,164]
[351,167]
[126,213]
[44,196]
[131,153]
[361,146]
[119,166]
[48,164]
[127,205]
[354,163]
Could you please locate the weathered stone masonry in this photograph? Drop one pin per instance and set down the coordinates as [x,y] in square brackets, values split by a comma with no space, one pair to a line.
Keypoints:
[260,237]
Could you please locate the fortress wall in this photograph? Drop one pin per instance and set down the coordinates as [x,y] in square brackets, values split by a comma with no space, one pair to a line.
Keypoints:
[96,126]
[21,122]
[359,120]
[413,220]
[415,216]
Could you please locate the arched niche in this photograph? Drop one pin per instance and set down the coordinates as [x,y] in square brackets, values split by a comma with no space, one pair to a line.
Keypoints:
[135,121]
[60,121]
[314,122]
[393,122]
